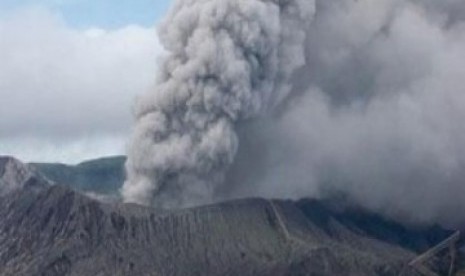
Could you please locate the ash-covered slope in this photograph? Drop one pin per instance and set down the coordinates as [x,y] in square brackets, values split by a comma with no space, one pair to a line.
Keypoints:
[52,230]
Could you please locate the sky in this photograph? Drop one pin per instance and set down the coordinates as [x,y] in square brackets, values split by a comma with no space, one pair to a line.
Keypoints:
[70,73]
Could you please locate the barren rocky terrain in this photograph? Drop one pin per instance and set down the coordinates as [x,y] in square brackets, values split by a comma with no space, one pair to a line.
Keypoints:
[50,229]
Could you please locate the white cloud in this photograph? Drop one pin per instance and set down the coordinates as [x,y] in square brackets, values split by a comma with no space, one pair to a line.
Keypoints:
[66,151]
[61,87]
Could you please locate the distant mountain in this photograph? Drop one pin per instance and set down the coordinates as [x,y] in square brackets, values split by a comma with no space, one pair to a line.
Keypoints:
[103,176]
[49,229]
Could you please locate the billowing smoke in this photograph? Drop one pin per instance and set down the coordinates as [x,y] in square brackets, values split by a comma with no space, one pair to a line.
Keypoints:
[364,99]
[228,61]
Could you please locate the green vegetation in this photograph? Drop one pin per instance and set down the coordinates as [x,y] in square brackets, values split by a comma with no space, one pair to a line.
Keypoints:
[103,176]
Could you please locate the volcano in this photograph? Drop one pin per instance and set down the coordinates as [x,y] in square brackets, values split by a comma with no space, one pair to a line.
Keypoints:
[49,229]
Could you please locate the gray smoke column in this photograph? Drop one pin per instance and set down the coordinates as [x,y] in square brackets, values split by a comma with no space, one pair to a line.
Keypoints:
[376,116]
[228,61]
[359,99]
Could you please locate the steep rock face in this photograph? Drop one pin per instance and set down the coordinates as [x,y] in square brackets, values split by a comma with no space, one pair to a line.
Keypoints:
[52,230]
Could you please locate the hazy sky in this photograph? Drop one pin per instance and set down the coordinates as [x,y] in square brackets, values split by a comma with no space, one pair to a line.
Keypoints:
[69,73]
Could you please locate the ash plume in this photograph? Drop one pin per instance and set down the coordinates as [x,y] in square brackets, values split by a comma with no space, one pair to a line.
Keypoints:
[375,115]
[295,99]
[228,61]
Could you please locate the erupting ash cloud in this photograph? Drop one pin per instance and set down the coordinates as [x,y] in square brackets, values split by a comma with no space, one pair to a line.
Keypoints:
[296,99]
[228,61]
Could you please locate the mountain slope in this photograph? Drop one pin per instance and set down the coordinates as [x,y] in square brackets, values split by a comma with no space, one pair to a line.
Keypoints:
[52,230]
[103,175]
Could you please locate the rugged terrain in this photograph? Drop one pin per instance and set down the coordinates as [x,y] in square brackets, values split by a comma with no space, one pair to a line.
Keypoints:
[50,229]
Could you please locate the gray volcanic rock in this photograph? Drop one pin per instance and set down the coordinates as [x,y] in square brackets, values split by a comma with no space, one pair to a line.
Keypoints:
[53,230]
[15,175]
